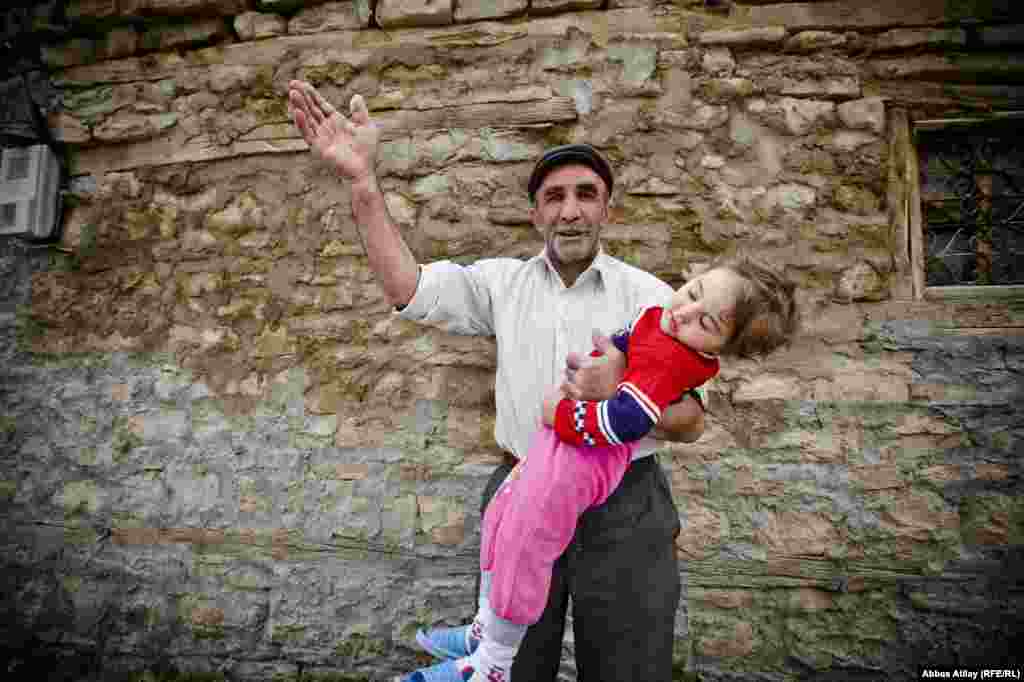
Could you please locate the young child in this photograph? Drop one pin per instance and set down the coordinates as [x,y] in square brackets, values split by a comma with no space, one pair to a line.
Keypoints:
[737,308]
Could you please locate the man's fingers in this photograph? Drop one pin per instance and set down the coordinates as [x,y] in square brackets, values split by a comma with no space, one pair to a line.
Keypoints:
[568,389]
[357,109]
[573,361]
[601,341]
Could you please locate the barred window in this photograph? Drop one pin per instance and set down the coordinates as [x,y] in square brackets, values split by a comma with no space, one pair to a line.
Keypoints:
[971,175]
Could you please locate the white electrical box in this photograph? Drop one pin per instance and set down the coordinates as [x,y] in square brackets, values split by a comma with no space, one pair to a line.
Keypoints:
[29,191]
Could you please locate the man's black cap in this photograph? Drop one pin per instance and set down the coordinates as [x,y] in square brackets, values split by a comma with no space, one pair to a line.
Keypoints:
[569,153]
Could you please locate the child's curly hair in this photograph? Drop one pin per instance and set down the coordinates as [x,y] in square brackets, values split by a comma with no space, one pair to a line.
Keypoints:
[766,314]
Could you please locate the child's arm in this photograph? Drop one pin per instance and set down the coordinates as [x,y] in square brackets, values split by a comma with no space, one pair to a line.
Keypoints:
[660,370]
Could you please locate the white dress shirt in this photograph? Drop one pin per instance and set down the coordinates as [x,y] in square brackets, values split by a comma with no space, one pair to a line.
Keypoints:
[536,320]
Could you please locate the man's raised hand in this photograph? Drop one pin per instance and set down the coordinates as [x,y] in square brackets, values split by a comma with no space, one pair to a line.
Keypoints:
[348,144]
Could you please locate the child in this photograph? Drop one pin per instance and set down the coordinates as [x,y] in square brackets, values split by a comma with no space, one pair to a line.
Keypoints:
[737,308]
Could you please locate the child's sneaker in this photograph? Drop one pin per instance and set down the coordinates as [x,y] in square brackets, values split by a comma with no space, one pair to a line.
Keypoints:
[492,674]
[445,671]
[449,643]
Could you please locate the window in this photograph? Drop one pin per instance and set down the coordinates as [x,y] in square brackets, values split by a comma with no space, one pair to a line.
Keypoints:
[967,225]
[29,191]
[972,204]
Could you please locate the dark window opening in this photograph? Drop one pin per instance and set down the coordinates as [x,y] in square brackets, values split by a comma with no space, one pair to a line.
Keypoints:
[972,202]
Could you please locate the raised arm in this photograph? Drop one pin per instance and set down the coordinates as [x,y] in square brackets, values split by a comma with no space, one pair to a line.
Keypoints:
[349,146]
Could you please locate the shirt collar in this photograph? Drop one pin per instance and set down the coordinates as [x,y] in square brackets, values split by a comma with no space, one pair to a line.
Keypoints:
[601,266]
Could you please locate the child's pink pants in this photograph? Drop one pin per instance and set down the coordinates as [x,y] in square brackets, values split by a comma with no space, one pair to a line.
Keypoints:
[533,516]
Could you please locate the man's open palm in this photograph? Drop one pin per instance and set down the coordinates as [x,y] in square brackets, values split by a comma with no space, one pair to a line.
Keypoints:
[348,144]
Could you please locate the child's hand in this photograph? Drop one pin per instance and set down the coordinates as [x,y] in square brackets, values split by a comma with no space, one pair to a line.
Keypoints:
[551,400]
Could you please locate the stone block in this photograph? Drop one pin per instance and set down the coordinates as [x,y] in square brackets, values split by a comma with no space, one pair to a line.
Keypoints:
[132,127]
[810,599]
[66,128]
[77,10]
[805,534]
[877,477]
[552,6]
[721,598]
[192,34]
[840,14]
[71,53]
[403,13]
[837,86]
[768,35]
[478,10]
[910,38]
[791,115]
[863,114]
[220,8]
[718,62]
[119,42]
[811,41]
[719,90]
[260,25]
[861,282]
[332,16]
[856,199]
[737,643]
[702,531]
[916,515]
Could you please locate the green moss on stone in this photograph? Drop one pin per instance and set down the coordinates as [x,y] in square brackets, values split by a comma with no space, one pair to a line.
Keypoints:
[359,645]
[287,633]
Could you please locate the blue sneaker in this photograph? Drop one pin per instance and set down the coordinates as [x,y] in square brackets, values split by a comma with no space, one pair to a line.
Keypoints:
[448,643]
[445,671]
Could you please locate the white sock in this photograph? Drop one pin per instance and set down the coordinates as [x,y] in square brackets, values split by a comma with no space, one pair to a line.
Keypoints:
[498,647]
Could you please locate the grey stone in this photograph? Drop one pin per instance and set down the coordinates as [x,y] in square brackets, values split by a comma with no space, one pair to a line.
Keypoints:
[861,282]
[718,62]
[864,114]
[259,25]
[332,16]
[164,425]
[727,89]
[401,13]
[791,115]
[639,62]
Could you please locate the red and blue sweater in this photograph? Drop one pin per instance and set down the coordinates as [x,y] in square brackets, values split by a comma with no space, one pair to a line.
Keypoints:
[659,370]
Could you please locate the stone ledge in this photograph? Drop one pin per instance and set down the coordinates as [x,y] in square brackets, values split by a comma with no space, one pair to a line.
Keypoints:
[173,149]
[768,35]
[857,14]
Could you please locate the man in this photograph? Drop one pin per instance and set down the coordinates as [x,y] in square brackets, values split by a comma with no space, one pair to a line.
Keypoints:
[621,568]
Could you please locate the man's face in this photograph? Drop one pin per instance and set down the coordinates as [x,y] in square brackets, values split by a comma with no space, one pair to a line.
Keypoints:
[570,210]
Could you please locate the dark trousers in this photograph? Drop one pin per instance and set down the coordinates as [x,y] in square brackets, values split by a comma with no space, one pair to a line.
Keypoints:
[622,573]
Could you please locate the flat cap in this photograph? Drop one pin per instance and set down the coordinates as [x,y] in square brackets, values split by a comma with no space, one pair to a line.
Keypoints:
[569,153]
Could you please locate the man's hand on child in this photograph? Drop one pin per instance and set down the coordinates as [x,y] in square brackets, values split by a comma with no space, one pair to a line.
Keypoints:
[594,378]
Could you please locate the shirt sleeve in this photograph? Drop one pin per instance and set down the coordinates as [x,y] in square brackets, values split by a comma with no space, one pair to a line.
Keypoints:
[455,297]
[660,371]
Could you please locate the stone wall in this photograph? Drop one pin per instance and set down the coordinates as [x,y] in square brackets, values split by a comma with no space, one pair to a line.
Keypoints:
[222,454]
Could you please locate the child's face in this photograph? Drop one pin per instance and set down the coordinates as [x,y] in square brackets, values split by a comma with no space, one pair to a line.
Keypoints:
[702,313]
